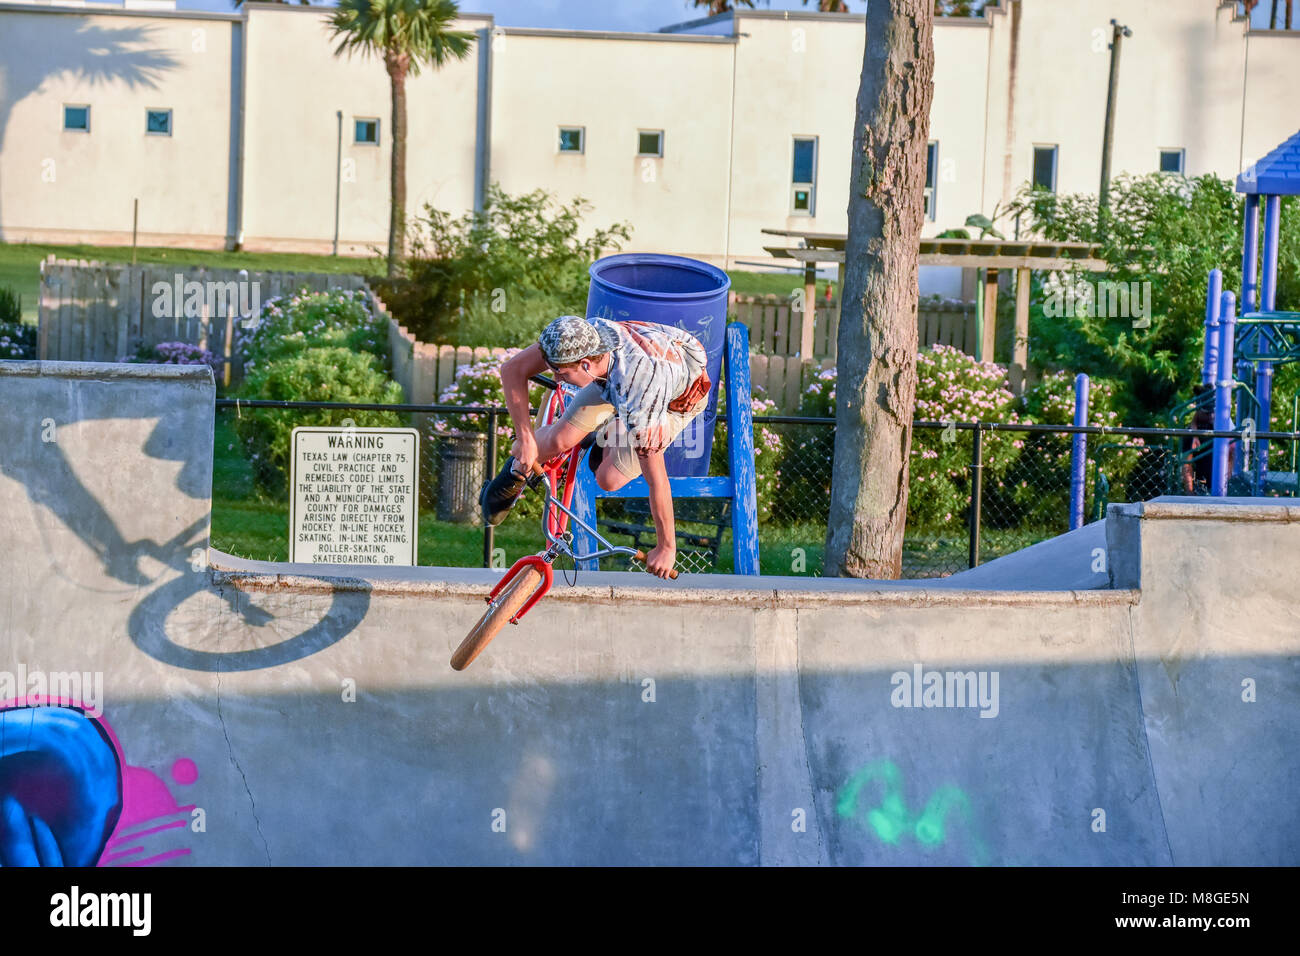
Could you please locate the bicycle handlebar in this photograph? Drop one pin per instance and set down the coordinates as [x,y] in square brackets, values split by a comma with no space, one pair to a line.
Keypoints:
[610,549]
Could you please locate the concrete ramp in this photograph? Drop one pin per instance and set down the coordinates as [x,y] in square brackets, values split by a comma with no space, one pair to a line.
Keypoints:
[302,715]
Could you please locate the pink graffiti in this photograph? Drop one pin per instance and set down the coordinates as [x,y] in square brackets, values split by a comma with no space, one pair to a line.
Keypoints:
[148,807]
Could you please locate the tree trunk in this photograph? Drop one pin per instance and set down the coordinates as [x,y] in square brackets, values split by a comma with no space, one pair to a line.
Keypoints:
[397,68]
[876,389]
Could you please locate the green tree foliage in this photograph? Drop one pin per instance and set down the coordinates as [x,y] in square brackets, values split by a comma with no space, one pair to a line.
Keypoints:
[521,259]
[316,347]
[1166,234]
[405,34]
[329,374]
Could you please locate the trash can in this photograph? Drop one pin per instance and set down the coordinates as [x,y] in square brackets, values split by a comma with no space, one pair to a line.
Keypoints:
[677,291]
[460,477]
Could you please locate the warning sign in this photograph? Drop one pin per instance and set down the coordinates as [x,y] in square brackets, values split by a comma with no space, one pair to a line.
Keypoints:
[354,495]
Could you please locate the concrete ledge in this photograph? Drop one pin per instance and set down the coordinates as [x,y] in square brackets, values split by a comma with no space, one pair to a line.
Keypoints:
[99,371]
[602,587]
[1175,508]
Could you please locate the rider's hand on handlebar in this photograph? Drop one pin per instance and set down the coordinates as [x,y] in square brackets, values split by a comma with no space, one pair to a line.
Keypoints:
[661,559]
[524,451]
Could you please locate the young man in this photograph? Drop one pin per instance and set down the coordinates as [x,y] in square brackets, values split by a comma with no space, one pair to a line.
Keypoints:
[639,385]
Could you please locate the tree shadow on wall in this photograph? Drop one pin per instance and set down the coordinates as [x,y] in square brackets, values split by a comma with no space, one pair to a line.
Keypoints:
[32,55]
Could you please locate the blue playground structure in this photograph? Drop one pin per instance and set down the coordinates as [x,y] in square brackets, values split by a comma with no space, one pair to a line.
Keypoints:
[691,295]
[1242,350]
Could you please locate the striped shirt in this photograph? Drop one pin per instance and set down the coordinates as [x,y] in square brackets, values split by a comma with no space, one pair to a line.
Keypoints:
[652,366]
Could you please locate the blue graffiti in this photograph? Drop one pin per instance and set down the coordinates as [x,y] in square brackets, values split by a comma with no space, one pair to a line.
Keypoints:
[60,787]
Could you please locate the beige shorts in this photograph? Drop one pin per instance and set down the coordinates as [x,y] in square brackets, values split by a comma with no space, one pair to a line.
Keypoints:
[589,412]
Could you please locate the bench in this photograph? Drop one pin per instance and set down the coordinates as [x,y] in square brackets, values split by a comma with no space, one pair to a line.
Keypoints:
[696,549]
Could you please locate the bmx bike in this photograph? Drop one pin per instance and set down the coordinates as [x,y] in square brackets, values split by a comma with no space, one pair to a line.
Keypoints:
[529,578]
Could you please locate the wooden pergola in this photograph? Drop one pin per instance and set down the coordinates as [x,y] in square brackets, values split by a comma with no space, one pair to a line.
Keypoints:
[991,255]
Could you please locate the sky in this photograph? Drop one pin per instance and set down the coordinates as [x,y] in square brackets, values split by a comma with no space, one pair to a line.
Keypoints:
[631,15]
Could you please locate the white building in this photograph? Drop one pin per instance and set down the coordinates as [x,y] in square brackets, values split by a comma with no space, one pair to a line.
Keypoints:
[247,129]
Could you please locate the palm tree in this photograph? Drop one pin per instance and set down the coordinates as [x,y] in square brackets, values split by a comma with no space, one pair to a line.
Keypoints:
[722,6]
[407,34]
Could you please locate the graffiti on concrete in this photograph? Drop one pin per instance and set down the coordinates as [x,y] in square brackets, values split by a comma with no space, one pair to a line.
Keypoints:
[68,798]
[892,821]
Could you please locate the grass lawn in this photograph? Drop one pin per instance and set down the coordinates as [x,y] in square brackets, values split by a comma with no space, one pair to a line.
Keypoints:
[20,266]
[20,263]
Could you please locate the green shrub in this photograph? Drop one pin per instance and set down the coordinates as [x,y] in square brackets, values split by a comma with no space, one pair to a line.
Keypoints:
[506,321]
[512,249]
[1168,231]
[334,319]
[1039,483]
[17,338]
[11,312]
[330,374]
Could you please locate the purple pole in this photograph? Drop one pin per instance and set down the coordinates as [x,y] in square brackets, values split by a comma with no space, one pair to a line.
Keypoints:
[1250,256]
[1210,359]
[1272,222]
[1264,395]
[1223,393]
[1079,452]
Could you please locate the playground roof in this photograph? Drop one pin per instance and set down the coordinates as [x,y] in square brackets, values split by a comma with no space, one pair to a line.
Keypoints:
[969,253]
[1277,174]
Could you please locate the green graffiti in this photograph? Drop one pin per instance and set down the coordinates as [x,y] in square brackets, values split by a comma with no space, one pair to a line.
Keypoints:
[891,821]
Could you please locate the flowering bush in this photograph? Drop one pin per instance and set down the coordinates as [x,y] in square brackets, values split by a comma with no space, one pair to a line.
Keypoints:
[1042,478]
[314,375]
[175,353]
[769,454]
[952,387]
[479,383]
[334,319]
[17,340]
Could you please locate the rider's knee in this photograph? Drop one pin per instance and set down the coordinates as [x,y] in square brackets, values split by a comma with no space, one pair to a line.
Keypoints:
[610,478]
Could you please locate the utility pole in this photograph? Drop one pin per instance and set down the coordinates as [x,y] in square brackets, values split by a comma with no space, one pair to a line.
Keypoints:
[1118,33]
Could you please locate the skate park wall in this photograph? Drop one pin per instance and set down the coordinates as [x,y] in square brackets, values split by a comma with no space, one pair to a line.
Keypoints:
[193,708]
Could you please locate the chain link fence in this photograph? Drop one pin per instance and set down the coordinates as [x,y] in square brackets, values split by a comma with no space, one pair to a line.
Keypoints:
[977,491]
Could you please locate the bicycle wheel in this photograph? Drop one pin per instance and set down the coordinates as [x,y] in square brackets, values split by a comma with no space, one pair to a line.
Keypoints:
[509,601]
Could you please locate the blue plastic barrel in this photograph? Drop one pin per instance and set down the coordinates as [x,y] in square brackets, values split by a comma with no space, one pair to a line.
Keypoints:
[670,290]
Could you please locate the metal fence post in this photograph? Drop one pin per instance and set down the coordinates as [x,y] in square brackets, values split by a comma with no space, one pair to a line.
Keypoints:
[976,494]
[1078,452]
[489,533]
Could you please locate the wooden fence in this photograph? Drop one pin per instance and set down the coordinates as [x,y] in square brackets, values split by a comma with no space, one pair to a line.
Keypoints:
[775,328]
[97,312]
[103,312]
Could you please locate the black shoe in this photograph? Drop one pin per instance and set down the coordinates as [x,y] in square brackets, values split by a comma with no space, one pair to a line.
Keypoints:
[500,494]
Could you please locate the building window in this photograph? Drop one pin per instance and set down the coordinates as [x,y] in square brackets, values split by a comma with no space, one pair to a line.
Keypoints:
[158,122]
[1045,168]
[803,179]
[76,118]
[1171,160]
[650,142]
[366,132]
[931,179]
[573,139]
